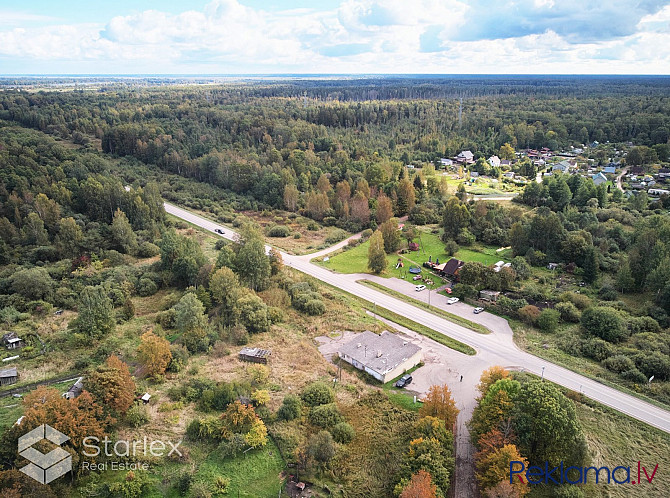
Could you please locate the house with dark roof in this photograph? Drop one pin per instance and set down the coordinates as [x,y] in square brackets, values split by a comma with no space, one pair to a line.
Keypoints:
[75,390]
[9,376]
[451,268]
[384,356]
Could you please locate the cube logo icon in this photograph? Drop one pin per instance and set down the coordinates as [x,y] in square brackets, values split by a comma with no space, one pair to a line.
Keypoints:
[45,468]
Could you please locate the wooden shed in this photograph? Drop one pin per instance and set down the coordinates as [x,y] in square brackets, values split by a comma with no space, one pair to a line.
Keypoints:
[9,376]
[255,355]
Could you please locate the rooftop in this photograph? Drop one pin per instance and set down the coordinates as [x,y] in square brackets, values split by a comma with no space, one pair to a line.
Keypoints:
[381,353]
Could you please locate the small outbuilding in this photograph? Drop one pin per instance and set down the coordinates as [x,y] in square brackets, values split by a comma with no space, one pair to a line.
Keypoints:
[489,295]
[12,341]
[145,398]
[75,390]
[255,355]
[9,376]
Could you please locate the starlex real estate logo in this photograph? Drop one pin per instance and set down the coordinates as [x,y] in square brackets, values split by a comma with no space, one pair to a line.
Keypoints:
[45,468]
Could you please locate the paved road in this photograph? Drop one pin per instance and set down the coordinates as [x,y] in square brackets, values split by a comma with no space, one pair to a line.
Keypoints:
[495,349]
[619,177]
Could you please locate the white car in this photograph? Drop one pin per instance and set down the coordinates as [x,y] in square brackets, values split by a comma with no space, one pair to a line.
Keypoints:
[452,300]
[419,288]
[477,310]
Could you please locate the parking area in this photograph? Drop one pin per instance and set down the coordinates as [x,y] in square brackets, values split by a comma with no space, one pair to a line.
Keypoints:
[496,324]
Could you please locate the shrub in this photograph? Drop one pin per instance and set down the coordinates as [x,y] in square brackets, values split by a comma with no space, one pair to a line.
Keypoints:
[279,231]
[605,323]
[548,320]
[238,335]
[318,393]
[634,375]
[639,324]
[297,235]
[325,416]
[146,287]
[335,236]
[618,363]
[529,314]
[580,300]
[597,349]
[343,433]
[137,415]
[148,250]
[315,307]
[568,312]
[290,409]
[275,314]
[366,234]
[312,226]
[167,318]
[653,363]
[451,247]
[607,293]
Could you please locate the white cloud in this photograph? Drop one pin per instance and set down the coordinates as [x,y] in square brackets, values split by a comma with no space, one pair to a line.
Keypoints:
[371,36]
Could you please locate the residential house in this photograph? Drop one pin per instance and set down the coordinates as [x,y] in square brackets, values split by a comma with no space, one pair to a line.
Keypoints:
[609,170]
[451,267]
[446,162]
[384,356]
[599,178]
[494,161]
[505,162]
[658,191]
[465,157]
[564,166]
[9,376]
[254,355]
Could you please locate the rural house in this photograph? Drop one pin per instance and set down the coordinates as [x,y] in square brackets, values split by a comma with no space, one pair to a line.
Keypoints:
[12,341]
[383,356]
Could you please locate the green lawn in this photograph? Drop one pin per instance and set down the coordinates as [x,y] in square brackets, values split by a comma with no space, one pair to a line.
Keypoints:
[254,474]
[355,260]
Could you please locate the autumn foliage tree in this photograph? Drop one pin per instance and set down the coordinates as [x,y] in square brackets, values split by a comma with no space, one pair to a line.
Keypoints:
[112,385]
[154,354]
[420,486]
[439,403]
[76,418]
[489,377]
[495,468]
[376,253]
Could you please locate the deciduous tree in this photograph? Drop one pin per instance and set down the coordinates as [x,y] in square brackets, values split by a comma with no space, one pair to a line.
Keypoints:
[439,403]
[154,354]
[376,253]
[112,385]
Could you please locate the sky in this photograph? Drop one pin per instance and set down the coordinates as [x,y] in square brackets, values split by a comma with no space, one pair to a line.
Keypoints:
[335,37]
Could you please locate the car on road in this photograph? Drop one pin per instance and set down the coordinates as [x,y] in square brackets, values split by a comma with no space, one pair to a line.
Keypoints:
[219,231]
[452,300]
[478,310]
[404,381]
[419,288]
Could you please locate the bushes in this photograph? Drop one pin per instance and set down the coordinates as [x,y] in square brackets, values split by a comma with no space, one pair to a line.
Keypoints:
[529,314]
[290,409]
[635,376]
[451,247]
[137,415]
[654,363]
[580,300]
[618,363]
[597,349]
[343,433]
[335,236]
[318,393]
[148,250]
[568,312]
[325,416]
[146,287]
[605,323]
[279,231]
[548,320]
[304,299]
[639,324]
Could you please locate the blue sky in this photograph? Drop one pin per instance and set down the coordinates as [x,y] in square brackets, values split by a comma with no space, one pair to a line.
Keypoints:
[349,36]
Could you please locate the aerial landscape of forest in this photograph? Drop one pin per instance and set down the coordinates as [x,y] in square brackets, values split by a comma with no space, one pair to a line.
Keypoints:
[335,248]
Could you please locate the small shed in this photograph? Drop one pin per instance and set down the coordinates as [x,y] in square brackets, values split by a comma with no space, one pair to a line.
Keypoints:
[8,376]
[12,341]
[146,397]
[75,390]
[489,295]
[255,355]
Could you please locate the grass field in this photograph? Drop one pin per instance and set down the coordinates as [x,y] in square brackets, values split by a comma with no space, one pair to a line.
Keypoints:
[355,260]
[433,309]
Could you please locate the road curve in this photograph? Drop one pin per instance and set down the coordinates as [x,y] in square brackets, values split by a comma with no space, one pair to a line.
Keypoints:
[495,348]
